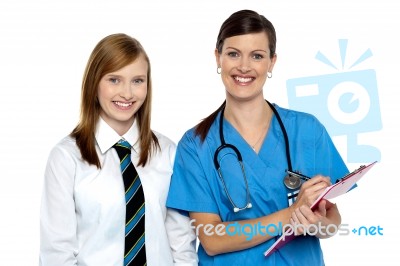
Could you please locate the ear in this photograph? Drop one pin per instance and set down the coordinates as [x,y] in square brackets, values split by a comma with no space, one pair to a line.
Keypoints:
[217,57]
[273,61]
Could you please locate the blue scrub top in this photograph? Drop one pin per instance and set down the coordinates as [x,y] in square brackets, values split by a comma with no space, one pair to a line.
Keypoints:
[197,187]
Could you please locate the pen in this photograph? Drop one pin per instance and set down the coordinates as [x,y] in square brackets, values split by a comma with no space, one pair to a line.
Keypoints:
[301,176]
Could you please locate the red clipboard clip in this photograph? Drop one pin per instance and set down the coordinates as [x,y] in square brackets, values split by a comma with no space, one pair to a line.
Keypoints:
[352,173]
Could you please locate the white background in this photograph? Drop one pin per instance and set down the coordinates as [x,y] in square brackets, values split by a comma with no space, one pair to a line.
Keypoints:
[44,46]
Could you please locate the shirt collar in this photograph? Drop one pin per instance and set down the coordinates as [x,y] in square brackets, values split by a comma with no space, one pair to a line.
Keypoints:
[106,136]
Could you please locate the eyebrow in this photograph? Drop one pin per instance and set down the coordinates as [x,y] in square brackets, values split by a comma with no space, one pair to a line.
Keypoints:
[257,50]
[112,74]
[120,76]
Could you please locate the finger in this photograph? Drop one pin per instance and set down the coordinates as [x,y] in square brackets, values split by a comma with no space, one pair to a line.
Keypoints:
[294,226]
[318,179]
[309,216]
[298,228]
[301,218]
[294,216]
[307,219]
[300,224]
[328,204]
[309,195]
[292,222]
[313,186]
[322,208]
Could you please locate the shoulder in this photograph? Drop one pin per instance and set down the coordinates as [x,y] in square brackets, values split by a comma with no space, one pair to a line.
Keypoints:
[190,133]
[66,147]
[191,138]
[163,140]
[303,125]
[65,156]
[166,144]
[297,118]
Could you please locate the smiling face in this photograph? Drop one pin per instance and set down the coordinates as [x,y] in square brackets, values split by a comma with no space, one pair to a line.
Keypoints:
[121,93]
[245,61]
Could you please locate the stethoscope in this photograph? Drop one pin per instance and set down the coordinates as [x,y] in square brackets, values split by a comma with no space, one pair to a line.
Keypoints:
[291,181]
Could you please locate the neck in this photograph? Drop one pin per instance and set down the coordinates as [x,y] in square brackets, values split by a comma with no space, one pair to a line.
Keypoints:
[248,115]
[120,127]
[251,120]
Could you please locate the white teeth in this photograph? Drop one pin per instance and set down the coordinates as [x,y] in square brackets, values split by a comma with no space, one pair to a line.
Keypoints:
[243,80]
[123,104]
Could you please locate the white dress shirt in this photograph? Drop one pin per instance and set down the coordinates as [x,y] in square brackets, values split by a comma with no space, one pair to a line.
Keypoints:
[83,208]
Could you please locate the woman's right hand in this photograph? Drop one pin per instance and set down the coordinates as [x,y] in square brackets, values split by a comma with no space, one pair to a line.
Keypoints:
[310,191]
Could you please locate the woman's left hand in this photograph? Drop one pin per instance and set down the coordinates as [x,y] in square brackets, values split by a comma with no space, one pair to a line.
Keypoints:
[326,215]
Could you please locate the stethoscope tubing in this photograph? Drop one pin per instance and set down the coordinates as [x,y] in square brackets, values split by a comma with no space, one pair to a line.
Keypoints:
[240,159]
[236,150]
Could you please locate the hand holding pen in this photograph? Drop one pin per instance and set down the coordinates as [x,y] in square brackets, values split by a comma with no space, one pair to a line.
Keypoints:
[309,190]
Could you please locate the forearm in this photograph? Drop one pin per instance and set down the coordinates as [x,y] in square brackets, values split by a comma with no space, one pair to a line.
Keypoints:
[219,237]
[58,224]
[181,238]
[58,241]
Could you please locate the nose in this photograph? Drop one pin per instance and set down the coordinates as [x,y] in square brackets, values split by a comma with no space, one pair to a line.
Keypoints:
[244,65]
[127,91]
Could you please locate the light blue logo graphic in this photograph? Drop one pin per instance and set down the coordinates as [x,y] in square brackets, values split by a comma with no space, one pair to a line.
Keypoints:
[347,103]
[368,231]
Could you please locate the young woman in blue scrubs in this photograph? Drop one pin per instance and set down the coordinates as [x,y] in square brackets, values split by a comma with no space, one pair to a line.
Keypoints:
[229,169]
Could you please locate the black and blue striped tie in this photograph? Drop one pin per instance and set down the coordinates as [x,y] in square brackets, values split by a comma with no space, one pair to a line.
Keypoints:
[135,251]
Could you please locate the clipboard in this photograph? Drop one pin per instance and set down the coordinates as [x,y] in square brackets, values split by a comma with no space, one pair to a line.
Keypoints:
[341,186]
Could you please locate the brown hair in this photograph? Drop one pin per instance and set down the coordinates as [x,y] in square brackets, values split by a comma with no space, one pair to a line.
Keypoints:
[239,23]
[111,54]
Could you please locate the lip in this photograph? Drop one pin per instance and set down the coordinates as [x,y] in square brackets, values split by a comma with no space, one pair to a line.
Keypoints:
[123,105]
[243,79]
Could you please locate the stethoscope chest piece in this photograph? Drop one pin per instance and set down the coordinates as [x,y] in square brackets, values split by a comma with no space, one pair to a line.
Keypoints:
[292,182]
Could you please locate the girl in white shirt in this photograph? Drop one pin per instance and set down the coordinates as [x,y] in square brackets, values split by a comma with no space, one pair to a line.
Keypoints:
[83,205]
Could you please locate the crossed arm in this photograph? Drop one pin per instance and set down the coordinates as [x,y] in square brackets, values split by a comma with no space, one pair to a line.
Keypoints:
[298,213]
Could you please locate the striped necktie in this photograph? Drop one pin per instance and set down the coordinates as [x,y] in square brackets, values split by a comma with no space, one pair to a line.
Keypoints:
[135,251]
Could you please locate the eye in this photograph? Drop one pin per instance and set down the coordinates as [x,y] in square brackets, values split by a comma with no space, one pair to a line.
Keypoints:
[258,56]
[233,54]
[113,80]
[138,81]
